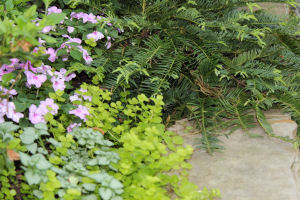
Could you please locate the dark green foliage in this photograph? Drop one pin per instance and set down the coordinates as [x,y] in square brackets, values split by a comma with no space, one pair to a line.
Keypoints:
[216,55]
[211,55]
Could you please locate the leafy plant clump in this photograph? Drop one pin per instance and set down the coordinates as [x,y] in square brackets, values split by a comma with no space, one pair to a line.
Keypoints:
[83,165]
[67,143]
[211,60]
[83,83]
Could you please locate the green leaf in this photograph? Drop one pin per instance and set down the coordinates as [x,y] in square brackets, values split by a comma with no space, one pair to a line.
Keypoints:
[177,140]
[59,93]
[6,78]
[28,136]
[21,106]
[89,186]
[93,162]
[32,178]
[49,39]
[42,162]
[105,193]
[55,160]
[30,12]
[47,3]
[52,19]
[115,184]
[91,42]
[32,148]
[74,192]
[9,4]
[262,121]
[41,126]
[8,127]
[61,52]
[25,159]
[90,197]
[76,54]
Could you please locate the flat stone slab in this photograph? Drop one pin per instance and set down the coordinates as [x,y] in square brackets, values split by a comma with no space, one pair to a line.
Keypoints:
[249,168]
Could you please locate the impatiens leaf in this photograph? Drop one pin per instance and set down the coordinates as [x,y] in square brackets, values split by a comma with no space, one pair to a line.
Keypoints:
[76,54]
[49,39]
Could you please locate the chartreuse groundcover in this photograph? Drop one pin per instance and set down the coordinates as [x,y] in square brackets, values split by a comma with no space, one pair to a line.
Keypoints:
[89,86]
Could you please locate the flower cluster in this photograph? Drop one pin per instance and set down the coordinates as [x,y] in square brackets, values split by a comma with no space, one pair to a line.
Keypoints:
[77,96]
[8,109]
[86,17]
[73,125]
[80,111]
[37,76]
[51,10]
[58,79]
[36,114]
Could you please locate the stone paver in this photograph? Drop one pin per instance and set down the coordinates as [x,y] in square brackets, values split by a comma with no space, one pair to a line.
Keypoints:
[249,168]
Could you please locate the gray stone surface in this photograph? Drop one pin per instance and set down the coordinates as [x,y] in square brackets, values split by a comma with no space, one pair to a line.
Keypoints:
[250,168]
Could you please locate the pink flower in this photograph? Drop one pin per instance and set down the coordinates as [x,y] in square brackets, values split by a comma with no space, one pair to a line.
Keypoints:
[28,66]
[47,29]
[99,17]
[71,126]
[74,98]
[48,106]
[85,97]
[70,29]
[35,115]
[95,35]
[1,118]
[5,91]
[54,9]
[44,69]
[89,18]
[12,114]
[88,59]
[14,61]
[70,77]
[52,54]
[108,44]
[76,40]
[77,15]
[35,50]
[58,83]
[9,109]
[36,80]
[80,112]
[65,58]
[41,41]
